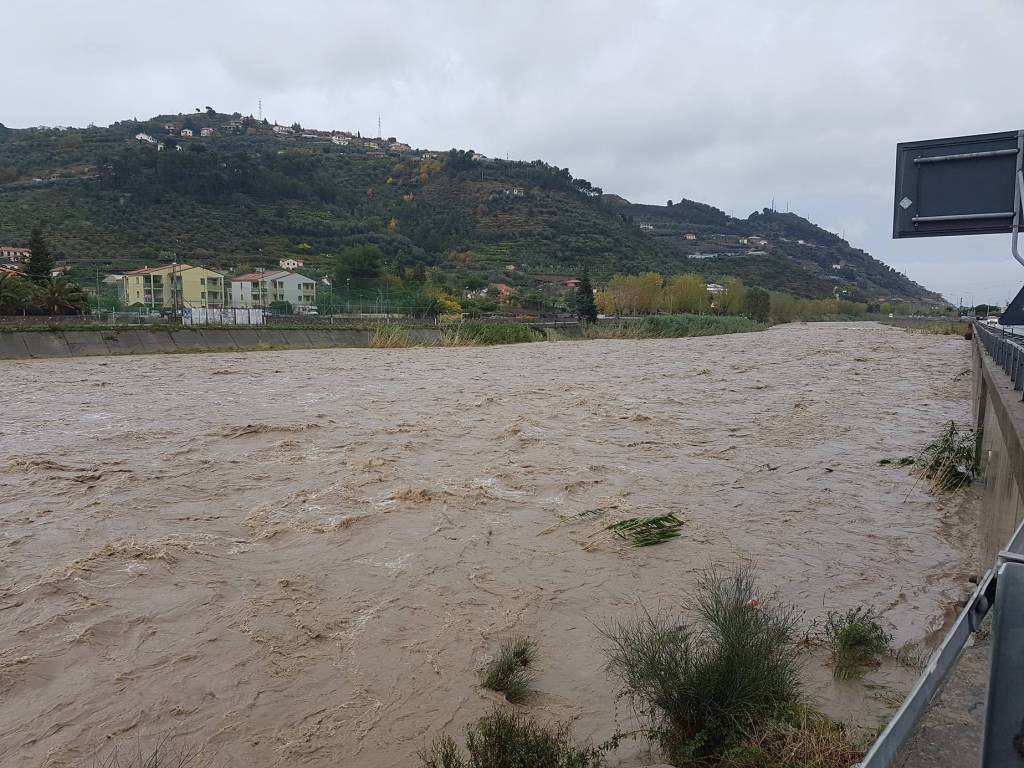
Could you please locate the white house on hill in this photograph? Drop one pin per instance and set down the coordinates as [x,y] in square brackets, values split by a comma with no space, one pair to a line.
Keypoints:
[291,263]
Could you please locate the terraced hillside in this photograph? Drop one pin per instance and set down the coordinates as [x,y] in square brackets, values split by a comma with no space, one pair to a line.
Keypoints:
[249,193]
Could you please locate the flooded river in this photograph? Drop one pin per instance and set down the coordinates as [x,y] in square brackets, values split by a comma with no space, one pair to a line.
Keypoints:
[300,558]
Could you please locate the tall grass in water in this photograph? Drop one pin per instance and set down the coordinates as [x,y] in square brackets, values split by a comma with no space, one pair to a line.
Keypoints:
[390,336]
[511,670]
[857,639]
[669,327]
[948,461]
[702,688]
[507,740]
[473,334]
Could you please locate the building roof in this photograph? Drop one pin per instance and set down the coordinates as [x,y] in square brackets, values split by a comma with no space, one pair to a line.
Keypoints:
[251,276]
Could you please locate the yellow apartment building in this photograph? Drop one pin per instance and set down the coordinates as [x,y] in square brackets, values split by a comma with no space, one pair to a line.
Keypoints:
[175,286]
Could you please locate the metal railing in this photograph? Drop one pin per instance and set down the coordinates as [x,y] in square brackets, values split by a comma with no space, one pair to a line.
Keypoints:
[1006,347]
[1000,589]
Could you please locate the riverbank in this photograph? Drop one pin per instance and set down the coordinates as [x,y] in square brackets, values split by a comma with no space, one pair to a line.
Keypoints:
[302,558]
[37,343]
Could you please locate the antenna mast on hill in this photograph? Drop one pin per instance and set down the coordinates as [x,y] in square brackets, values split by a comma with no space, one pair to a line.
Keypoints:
[378,125]
[260,110]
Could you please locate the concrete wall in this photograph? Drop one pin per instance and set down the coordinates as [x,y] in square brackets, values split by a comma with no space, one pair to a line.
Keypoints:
[999,415]
[17,345]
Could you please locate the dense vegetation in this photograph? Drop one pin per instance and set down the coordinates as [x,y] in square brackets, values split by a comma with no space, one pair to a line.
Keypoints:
[246,197]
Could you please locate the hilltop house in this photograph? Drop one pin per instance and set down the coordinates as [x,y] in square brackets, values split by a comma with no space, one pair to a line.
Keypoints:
[572,283]
[170,127]
[341,141]
[291,263]
[12,271]
[261,289]
[186,133]
[714,289]
[398,146]
[504,292]
[646,225]
[690,236]
[282,130]
[204,132]
[145,137]
[177,286]
[14,255]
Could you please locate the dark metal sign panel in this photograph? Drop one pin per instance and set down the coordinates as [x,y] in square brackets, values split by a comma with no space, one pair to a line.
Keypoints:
[959,186]
[1014,314]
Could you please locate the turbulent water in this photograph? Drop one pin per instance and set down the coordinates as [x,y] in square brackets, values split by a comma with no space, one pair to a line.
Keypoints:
[301,558]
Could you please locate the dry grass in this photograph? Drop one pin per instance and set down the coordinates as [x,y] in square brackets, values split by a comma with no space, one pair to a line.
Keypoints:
[806,739]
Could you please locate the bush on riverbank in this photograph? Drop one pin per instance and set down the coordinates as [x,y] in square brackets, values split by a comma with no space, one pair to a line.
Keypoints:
[702,688]
[506,740]
[670,326]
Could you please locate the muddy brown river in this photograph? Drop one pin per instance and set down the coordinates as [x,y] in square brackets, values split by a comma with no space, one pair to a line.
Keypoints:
[300,558]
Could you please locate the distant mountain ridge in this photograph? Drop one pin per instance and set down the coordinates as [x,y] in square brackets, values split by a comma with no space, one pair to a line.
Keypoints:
[233,192]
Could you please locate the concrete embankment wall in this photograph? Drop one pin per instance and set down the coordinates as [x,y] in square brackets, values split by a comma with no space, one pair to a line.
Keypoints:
[138,341]
[999,415]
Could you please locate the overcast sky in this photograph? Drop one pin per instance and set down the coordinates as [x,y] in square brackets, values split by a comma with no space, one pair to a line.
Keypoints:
[727,102]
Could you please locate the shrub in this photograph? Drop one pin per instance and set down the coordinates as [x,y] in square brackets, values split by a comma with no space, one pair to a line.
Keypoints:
[856,638]
[702,688]
[507,740]
[511,670]
[948,461]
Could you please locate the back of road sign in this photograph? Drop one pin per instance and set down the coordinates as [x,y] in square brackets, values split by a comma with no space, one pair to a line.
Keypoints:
[959,186]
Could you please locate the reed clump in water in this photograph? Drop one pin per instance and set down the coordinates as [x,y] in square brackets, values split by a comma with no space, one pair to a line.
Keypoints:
[474,334]
[704,687]
[857,640]
[670,326]
[512,668]
[390,336]
[948,461]
[503,739]
[804,739]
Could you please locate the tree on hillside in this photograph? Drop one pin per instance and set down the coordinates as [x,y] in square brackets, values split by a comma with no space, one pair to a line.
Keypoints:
[584,304]
[358,264]
[40,260]
[757,305]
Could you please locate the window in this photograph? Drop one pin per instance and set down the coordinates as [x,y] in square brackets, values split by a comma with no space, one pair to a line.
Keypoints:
[202,281]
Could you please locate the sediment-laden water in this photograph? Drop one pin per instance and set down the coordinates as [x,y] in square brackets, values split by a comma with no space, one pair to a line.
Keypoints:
[300,558]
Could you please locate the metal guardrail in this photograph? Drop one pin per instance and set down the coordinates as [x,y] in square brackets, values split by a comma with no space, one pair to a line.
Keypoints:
[1006,347]
[1002,587]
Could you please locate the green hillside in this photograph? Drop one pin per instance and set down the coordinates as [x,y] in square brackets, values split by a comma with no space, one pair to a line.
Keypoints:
[249,194]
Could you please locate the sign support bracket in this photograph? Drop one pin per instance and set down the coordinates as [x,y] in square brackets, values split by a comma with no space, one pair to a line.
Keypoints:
[1018,197]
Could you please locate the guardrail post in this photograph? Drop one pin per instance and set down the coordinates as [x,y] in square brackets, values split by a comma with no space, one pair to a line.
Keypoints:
[1003,743]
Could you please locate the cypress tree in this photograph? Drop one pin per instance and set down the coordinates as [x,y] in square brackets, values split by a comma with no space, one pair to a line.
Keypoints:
[40,261]
[586,307]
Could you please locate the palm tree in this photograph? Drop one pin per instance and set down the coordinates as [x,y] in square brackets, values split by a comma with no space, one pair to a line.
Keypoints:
[15,294]
[57,295]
